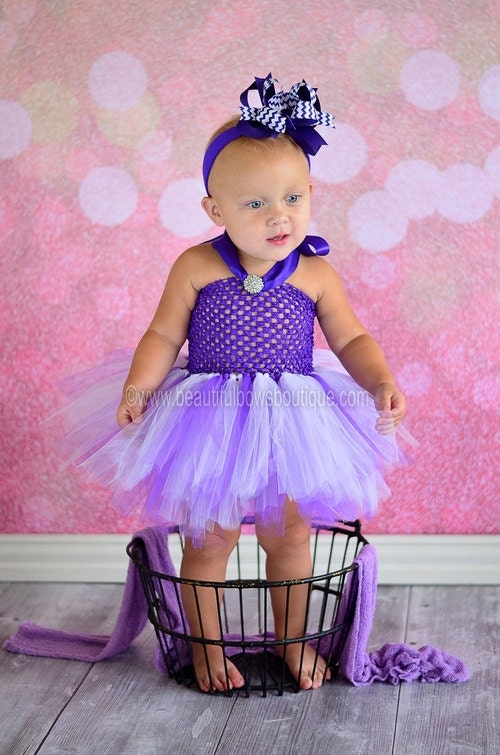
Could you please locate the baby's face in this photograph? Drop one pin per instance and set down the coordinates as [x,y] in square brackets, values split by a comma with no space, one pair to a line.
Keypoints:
[262,197]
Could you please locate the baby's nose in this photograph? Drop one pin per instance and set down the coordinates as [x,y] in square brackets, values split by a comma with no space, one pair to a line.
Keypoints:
[276,216]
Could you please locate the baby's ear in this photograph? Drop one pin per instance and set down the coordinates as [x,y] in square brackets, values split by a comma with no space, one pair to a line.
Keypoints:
[212,209]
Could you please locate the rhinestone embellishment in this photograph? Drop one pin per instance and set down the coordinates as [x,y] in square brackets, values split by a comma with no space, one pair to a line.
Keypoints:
[253,284]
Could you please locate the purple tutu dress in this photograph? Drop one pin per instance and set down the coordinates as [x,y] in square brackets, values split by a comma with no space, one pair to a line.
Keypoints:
[246,421]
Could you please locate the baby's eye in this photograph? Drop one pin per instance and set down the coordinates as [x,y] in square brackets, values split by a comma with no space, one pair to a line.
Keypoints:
[293,198]
[256,204]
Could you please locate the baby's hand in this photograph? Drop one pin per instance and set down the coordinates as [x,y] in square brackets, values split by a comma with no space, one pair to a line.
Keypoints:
[391,405]
[131,406]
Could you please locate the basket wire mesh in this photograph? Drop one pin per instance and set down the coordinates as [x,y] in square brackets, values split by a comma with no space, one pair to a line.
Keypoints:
[244,612]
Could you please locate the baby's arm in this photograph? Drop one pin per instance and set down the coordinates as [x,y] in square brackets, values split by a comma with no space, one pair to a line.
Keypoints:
[363,359]
[160,345]
[357,350]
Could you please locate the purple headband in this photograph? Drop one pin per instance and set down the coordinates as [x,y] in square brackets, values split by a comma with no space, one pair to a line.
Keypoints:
[295,113]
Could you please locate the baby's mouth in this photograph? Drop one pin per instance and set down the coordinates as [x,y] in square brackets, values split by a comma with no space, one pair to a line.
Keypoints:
[280,238]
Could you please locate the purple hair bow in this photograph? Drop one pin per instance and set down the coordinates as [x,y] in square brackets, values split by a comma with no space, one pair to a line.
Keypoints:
[295,113]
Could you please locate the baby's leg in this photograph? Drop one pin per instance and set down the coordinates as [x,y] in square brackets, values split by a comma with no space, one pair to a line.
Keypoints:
[288,558]
[201,604]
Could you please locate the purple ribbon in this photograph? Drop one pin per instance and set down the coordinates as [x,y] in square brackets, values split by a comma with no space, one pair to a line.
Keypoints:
[281,270]
[295,113]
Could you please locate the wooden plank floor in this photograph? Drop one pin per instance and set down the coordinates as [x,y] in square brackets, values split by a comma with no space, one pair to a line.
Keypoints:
[125,707]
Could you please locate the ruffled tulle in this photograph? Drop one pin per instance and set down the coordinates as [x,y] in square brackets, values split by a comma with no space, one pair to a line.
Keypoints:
[215,449]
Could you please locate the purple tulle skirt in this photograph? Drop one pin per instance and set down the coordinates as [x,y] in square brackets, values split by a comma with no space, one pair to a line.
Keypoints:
[216,449]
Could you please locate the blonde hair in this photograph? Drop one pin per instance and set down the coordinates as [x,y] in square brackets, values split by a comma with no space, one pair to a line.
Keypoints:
[268,143]
[258,145]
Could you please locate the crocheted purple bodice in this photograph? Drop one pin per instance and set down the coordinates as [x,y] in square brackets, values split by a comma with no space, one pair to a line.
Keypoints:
[233,331]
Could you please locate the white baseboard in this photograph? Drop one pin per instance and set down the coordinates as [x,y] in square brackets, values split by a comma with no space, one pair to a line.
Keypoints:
[403,559]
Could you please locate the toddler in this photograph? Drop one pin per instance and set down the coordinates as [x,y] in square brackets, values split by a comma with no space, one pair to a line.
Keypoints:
[251,425]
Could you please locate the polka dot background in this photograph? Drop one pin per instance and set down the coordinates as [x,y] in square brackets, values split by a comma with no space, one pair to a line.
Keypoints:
[104,112]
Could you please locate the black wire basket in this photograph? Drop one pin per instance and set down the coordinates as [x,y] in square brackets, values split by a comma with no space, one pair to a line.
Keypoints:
[244,610]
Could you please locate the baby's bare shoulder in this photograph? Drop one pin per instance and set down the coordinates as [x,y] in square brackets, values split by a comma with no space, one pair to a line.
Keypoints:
[197,254]
[200,264]
[314,275]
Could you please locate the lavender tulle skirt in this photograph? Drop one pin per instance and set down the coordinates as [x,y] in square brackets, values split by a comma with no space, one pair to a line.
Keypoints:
[214,449]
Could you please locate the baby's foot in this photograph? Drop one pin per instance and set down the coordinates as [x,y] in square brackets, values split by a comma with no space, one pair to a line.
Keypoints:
[306,665]
[214,672]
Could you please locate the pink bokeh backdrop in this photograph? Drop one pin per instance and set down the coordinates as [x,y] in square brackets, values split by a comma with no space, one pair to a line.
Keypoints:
[105,108]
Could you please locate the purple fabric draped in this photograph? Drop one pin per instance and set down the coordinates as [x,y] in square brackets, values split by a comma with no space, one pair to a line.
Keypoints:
[393,663]
[32,639]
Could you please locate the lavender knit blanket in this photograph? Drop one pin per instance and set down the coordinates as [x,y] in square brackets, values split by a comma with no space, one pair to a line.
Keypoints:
[392,663]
